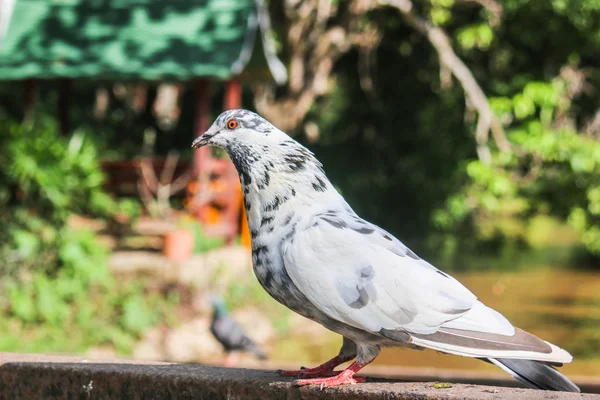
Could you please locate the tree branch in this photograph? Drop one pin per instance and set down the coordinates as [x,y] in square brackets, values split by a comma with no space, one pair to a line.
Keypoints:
[314,44]
[154,192]
[487,121]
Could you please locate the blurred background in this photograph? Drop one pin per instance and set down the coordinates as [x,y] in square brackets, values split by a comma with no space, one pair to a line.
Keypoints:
[468,128]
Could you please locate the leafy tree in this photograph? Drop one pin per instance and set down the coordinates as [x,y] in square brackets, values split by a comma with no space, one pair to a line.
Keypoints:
[403,127]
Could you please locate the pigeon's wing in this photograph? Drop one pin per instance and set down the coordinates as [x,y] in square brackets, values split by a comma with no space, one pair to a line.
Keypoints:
[358,274]
[361,275]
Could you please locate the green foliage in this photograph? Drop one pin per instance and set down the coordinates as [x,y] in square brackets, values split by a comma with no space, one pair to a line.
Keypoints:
[53,174]
[553,170]
[44,179]
[478,36]
[440,11]
[405,153]
[55,279]
[81,298]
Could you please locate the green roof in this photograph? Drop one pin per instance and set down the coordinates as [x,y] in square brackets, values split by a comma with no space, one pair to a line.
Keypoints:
[128,39]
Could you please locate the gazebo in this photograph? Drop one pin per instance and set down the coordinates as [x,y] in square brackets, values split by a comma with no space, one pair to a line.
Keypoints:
[200,42]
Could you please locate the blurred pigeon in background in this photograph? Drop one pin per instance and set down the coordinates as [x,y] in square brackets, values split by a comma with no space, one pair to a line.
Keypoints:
[315,255]
[230,334]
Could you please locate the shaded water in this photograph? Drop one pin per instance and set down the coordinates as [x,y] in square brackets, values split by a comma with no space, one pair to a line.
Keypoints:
[560,306]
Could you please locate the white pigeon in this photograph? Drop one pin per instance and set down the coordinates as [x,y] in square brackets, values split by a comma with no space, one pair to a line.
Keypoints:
[313,254]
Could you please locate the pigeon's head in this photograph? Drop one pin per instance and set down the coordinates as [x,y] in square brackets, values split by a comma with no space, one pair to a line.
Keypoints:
[260,152]
[218,305]
[236,130]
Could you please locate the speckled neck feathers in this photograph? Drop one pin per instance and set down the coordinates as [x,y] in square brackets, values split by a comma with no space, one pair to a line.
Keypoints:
[277,178]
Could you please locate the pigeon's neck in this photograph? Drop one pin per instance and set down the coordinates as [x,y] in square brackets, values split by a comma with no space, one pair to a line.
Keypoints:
[277,186]
[219,311]
[267,205]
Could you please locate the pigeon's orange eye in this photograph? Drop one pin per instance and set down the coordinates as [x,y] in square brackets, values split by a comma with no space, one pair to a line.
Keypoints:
[232,124]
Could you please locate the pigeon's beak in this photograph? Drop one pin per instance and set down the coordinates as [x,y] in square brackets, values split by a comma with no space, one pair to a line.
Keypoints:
[202,140]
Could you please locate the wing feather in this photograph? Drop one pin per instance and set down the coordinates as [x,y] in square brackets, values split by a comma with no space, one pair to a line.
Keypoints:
[359,274]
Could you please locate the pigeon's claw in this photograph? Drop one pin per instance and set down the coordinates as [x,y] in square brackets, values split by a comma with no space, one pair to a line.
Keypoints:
[317,374]
[343,378]
[308,372]
[339,379]
[325,369]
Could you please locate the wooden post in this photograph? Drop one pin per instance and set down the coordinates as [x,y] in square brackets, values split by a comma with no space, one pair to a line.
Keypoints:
[232,100]
[29,98]
[140,95]
[233,94]
[202,123]
[64,105]
[203,155]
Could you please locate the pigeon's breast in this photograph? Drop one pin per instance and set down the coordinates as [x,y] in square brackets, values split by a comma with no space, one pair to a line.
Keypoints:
[267,262]
[268,244]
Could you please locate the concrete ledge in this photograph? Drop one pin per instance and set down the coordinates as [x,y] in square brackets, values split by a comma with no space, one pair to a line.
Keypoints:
[46,377]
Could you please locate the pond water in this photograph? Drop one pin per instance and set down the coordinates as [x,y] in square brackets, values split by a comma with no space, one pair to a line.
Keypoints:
[560,306]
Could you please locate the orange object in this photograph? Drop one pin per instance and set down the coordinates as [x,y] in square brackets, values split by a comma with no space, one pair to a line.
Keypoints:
[219,176]
[178,244]
[212,215]
[245,231]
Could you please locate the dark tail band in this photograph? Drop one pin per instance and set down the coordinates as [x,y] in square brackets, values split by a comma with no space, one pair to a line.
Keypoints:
[536,374]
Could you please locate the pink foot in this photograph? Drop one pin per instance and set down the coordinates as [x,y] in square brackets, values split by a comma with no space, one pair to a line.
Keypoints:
[344,378]
[308,372]
[325,369]
[232,359]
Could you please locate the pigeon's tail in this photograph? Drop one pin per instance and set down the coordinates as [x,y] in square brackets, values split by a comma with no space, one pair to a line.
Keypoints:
[523,355]
[258,352]
[536,374]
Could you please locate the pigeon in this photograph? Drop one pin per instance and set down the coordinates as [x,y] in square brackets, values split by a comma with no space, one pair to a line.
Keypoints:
[312,253]
[230,334]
